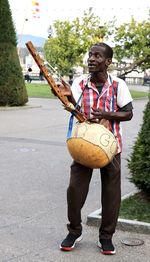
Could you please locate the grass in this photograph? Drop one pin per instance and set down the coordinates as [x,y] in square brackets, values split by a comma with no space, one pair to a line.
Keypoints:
[39,90]
[138,94]
[136,207]
[44,91]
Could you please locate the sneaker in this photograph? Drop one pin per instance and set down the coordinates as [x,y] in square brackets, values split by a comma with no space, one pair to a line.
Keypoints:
[69,242]
[106,247]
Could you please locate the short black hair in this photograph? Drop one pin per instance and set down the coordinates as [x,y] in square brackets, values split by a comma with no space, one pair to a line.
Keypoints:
[108,49]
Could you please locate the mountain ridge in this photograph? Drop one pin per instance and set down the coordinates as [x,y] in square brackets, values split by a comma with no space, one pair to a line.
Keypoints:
[36,40]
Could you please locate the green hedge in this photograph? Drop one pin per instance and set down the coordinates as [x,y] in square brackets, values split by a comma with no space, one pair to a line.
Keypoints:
[12,86]
[139,161]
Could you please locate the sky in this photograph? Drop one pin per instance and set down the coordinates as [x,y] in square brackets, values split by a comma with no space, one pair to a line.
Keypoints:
[28,20]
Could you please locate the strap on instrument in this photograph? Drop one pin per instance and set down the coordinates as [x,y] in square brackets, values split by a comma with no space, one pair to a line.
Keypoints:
[70,126]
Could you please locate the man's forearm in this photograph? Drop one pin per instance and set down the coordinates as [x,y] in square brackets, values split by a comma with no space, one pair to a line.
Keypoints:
[112,116]
[118,116]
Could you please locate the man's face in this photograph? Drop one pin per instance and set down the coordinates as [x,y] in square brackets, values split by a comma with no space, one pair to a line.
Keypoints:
[97,62]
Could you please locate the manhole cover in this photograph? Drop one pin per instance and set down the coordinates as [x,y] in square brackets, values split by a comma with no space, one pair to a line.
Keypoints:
[132,241]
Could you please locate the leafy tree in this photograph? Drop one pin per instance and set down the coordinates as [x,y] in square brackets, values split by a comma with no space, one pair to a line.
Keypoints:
[67,48]
[139,162]
[12,86]
[132,40]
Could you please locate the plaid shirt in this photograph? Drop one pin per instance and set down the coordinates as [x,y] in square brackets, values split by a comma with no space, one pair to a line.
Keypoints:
[114,95]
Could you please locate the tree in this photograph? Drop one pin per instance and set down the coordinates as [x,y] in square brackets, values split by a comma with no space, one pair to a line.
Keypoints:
[139,161]
[67,48]
[132,40]
[12,85]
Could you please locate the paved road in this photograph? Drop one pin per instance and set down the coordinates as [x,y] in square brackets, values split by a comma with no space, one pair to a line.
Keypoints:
[34,176]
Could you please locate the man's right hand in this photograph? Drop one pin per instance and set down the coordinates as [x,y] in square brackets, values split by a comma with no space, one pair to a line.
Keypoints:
[65,89]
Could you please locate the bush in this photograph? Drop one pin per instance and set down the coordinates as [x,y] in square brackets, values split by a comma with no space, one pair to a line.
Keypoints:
[139,162]
[12,86]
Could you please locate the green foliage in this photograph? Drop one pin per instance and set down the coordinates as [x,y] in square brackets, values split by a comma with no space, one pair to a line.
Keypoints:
[139,162]
[68,47]
[132,40]
[12,86]
[7,31]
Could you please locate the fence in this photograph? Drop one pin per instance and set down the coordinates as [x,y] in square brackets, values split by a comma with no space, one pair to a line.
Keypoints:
[138,80]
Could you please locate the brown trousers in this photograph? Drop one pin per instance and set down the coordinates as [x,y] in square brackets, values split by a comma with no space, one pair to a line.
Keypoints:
[111,196]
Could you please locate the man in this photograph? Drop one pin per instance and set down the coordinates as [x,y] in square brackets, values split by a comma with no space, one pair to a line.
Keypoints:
[28,75]
[103,97]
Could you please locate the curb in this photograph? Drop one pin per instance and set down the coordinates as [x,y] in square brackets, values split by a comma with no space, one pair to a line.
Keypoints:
[12,108]
[94,219]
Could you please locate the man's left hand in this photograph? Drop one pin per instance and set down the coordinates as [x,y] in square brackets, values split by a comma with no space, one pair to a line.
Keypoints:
[98,114]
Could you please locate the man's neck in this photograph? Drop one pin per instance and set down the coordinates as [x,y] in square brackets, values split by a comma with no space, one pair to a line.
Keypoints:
[99,78]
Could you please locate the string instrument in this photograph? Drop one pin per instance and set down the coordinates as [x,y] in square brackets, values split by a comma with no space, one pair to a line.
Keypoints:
[91,144]
[46,73]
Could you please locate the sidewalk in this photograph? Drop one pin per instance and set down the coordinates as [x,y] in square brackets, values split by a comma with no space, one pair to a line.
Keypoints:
[25,246]
[34,177]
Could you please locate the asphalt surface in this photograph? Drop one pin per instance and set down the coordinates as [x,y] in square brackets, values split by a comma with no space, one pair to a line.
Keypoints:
[34,170]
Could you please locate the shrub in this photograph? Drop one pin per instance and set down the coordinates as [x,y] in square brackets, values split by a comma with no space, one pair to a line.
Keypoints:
[139,161]
[12,86]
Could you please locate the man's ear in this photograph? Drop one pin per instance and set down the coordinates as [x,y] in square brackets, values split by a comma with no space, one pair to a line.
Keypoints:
[108,61]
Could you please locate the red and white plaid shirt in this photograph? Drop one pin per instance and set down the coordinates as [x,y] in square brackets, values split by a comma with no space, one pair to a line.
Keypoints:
[114,95]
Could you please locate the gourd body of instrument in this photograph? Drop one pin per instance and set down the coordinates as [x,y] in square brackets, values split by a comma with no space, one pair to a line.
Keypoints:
[92,145]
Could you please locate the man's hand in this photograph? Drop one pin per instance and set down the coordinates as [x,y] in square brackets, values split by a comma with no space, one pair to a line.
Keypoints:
[64,87]
[97,114]
[66,91]
[111,116]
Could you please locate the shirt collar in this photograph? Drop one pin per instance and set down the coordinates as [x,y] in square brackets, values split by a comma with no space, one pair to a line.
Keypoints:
[89,84]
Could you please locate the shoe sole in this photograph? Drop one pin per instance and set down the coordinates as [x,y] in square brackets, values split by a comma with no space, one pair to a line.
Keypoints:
[108,252]
[72,247]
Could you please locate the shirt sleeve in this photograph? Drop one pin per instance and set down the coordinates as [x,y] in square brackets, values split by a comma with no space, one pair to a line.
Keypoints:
[123,96]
